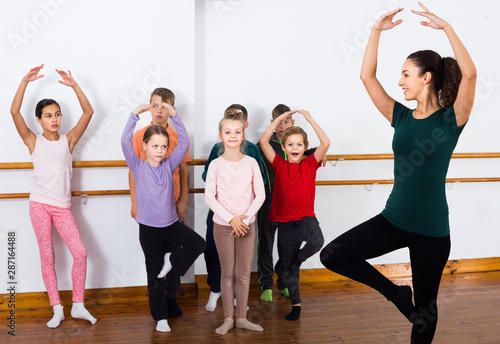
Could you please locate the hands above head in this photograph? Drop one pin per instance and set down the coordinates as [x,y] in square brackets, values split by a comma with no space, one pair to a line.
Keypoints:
[306,114]
[276,122]
[142,108]
[385,21]
[33,74]
[239,228]
[170,109]
[434,21]
[283,116]
[67,78]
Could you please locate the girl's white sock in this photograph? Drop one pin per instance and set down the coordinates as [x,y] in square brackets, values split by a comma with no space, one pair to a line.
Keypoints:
[162,326]
[212,301]
[167,266]
[58,316]
[78,311]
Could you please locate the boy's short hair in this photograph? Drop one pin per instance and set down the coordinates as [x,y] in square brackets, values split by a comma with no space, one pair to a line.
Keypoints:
[293,131]
[238,109]
[165,94]
[279,110]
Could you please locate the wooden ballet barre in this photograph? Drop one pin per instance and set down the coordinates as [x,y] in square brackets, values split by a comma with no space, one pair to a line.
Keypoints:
[100,163]
[391,181]
[80,164]
[346,157]
[202,162]
[76,164]
[15,165]
[197,162]
[73,193]
[86,193]
[475,155]
[337,157]
[14,195]
[340,157]
[354,182]
[202,190]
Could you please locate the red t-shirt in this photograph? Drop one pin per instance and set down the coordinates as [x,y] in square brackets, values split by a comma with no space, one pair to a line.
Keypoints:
[294,189]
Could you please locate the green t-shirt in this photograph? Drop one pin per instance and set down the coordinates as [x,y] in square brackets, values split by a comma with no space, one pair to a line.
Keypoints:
[422,153]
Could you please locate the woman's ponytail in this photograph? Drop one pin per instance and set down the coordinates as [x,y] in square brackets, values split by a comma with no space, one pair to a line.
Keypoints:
[451,81]
[445,73]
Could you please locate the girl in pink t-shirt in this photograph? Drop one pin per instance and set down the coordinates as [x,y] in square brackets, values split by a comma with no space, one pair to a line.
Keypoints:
[50,197]
[234,191]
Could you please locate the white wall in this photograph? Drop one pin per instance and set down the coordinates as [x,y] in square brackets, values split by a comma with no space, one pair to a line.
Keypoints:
[118,52]
[306,54]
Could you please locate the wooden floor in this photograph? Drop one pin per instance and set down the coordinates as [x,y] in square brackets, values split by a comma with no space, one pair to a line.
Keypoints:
[332,313]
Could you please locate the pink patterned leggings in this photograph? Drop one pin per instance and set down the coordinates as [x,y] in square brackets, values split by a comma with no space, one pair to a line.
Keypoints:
[42,216]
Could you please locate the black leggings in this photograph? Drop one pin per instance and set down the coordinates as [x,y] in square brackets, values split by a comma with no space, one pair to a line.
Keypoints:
[347,254]
[185,246]
[291,235]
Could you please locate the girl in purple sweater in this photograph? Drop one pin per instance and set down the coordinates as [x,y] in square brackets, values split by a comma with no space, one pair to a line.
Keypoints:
[159,227]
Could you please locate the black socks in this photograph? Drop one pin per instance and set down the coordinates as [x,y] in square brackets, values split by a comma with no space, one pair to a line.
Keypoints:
[173,309]
[403,301]
[294,314]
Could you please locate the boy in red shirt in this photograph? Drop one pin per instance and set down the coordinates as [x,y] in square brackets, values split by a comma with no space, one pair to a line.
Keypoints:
[293,199]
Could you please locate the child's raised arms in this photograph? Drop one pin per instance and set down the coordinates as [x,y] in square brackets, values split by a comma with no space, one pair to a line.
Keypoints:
[147,107]
[28,137]
[266,136]
[170,109]
[324,141]
[141,109]
[26,134]
[76,133]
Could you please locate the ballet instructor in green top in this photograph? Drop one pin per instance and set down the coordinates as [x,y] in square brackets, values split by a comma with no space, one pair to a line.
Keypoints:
[416,213]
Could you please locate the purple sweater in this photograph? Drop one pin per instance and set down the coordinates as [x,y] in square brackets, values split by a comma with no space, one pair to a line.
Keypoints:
[155,185]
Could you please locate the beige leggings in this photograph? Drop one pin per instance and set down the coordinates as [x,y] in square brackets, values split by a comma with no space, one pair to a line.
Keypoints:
[235,255]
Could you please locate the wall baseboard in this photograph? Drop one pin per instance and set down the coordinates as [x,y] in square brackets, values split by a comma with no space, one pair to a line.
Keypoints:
[105,296]
[93,297]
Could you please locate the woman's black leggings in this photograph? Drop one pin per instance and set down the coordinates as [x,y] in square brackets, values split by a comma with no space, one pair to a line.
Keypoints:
[347,255]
